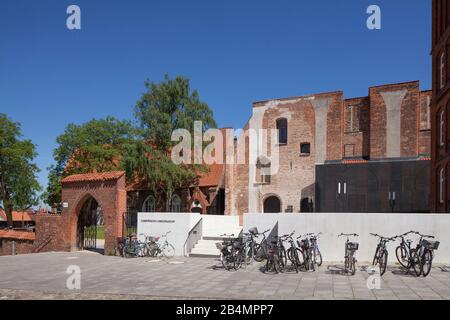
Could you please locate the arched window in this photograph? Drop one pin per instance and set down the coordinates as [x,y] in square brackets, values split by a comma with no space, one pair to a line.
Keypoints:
[272,204]
[175,204]
[149,204]
[282,127]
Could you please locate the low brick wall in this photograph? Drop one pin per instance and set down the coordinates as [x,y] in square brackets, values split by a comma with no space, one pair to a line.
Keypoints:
[16,242]
[50,236]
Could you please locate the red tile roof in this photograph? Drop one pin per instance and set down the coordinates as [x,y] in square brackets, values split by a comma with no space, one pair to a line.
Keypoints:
[17,216]
[18,235]
[213,177]
[94,177]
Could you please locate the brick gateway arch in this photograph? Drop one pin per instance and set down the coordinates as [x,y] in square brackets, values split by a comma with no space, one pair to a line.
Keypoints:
[109,191]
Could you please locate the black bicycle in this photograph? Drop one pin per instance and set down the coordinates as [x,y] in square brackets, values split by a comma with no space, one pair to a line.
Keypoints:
[381,254]
[292,253]
[261,248]
[350,249]
[306,252]
[425,253]
[276,256]
[313,241]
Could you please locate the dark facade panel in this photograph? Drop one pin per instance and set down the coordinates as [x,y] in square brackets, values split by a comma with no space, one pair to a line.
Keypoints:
[371,187]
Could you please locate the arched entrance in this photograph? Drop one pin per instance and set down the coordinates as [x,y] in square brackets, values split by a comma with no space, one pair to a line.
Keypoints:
[90,226]
[90,201]
[272,204]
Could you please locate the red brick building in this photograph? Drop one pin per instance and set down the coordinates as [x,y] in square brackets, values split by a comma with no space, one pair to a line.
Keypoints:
[440,110]
[384,136]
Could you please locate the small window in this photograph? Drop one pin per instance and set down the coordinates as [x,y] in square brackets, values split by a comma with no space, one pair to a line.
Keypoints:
[263,170]
[149,204]
[305,149]
[175,204]
[282,127]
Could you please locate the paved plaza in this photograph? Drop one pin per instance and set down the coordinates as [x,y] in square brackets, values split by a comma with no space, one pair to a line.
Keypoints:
[43,276]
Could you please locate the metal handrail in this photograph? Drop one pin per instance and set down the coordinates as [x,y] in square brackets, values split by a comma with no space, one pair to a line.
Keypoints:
[189,235]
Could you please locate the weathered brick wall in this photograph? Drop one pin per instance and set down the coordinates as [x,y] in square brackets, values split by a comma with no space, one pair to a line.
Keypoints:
[383,127]
[356,128]
[22,246]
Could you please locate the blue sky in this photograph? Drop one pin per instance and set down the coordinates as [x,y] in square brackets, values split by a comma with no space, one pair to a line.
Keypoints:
[235,52]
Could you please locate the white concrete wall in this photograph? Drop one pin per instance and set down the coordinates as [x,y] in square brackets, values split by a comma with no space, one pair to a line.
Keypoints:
[332,224]
[215,226]
[157,224]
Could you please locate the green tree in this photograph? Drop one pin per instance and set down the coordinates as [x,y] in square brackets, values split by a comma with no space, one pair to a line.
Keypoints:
[165,107]
[96,146]
[168,106]
[18,182]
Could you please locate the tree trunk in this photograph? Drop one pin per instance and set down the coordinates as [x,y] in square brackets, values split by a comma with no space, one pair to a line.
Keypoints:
[9,216]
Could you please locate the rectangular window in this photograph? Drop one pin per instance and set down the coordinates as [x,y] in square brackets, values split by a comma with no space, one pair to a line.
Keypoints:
[305,149]
[442,70]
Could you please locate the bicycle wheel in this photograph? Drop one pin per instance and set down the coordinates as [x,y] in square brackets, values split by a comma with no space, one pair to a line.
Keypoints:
[127,252]
[318,258]
[260,253]
[227,262]
[301,260]
[402,256]
[353,266]
[168,251]
[346,265]
[383,262]
[427,261]
[292,255]
[282,255]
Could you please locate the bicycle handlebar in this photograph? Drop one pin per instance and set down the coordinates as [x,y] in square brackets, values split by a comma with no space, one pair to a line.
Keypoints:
[348,235]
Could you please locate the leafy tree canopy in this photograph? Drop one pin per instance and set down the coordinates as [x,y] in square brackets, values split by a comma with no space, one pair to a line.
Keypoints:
[95,146]
[168,106]
[18,181]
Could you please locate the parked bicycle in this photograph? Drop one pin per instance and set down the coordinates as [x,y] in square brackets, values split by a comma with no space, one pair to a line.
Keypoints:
[406,255]
[306,253]
[133,248]
[293,253]
[276,256]
[228,249]
[381,254]
[425,252]
[350,249]
[313,241]
[160,245]
[261,248]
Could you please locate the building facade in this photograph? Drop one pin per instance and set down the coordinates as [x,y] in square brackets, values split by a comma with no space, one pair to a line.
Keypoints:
[324,137]
[440,110]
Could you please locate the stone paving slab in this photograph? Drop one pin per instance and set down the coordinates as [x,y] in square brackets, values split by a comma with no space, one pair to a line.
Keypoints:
[43,276]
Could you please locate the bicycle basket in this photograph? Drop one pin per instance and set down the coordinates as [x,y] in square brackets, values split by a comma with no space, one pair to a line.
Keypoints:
[253,231]
[432,245]
[352,246]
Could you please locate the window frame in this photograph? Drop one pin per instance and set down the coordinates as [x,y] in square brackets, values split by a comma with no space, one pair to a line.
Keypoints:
[145,203]
[283,121]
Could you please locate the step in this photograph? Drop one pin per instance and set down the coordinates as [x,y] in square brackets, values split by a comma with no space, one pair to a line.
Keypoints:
[205,248]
